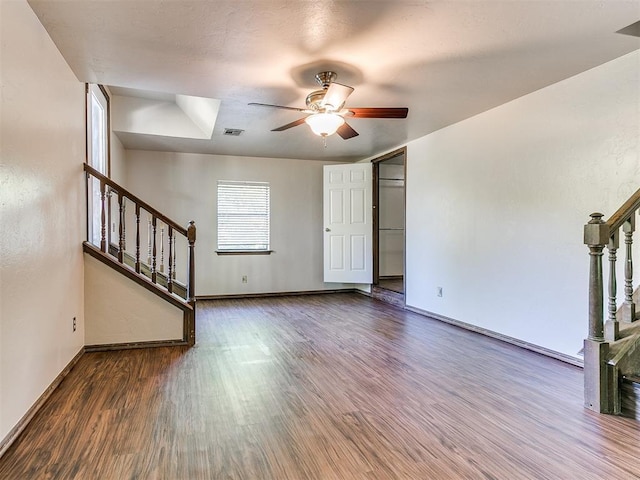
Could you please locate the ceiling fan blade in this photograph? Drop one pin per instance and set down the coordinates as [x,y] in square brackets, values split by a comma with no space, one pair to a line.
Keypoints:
[336,95]
[379,112]
[346,132]
[300,121]
[280,106]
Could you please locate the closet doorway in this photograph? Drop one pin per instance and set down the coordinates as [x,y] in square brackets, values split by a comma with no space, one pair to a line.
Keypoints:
[389,173]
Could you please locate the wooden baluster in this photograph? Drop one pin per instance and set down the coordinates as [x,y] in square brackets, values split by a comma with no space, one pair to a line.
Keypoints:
[612,327]
[191,274]
[103,217]
[121,230]
[153,254]
[628,307]
[596,393]
[137,238]
[124,224]
[149,241]
[174,258]
[162,248]
[170,272]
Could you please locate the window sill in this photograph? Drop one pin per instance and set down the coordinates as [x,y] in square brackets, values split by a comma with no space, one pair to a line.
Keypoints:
[244,252]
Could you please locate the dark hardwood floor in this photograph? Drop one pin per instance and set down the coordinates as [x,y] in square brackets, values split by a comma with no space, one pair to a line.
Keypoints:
[323,387]
[393,284]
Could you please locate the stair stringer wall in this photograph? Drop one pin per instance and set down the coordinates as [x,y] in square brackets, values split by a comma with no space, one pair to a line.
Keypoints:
[119,311]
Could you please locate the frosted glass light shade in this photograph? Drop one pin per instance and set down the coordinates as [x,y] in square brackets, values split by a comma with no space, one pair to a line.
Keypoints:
[324,124]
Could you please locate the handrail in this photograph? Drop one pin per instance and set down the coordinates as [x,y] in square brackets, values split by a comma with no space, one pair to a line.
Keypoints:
[627,209]
[124,192]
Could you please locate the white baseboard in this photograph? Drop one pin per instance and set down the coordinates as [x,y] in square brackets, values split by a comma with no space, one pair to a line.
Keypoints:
[578,362]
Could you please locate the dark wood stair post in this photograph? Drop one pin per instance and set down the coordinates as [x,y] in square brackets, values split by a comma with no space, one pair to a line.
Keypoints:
[596,393]
[191,286]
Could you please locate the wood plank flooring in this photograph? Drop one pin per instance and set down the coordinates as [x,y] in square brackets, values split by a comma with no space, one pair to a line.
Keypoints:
[393,284]
[322,387]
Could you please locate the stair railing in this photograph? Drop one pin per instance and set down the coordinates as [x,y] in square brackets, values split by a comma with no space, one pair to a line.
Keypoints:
[178,242]
[599,234]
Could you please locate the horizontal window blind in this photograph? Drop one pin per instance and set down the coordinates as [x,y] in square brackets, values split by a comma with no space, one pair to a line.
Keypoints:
[243,215]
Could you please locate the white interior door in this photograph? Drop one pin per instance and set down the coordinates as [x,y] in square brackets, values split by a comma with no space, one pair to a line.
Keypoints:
[348,225]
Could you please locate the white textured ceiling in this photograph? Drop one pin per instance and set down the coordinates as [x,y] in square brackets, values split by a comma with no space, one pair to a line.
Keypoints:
[445,60]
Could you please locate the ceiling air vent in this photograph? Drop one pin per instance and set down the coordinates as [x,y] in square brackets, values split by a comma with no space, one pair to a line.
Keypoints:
[234,132]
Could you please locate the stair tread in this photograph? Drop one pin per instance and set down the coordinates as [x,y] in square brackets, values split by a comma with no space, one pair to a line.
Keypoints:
[627,331]
[629,326]
[632,378]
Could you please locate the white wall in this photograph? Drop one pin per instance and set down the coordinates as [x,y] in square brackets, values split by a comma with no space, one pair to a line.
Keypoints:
[184,187]
[496,205]
[190,117]
[117,152]
[42,148]
[137,316]
[117,172]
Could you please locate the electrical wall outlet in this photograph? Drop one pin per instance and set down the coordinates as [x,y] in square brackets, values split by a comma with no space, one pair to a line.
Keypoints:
[244,279]
[439,291]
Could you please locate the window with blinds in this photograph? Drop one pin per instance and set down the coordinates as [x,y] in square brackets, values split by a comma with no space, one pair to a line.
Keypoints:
[243,216]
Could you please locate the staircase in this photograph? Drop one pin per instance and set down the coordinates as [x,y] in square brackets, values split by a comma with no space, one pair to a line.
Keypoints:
[156,254]
[630,397]
[612,349]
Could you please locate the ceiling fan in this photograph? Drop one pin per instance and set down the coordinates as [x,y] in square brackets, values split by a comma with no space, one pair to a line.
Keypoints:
[326,114]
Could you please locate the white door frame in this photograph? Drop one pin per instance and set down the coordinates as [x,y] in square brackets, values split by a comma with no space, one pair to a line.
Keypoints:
[376,214]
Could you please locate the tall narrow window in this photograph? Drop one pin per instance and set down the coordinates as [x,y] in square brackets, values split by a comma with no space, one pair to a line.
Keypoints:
[243,216]
[97,153]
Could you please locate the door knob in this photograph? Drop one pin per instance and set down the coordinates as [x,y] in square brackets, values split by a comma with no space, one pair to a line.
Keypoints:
[327,229]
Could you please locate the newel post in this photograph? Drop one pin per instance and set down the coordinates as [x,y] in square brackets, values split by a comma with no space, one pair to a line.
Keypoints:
[191,238]
[596,236]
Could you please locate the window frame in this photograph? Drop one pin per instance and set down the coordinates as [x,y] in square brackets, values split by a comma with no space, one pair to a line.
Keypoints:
[236,183]
[97,92]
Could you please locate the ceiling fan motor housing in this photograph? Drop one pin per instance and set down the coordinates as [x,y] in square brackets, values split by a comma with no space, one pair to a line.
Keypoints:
[314,99]
[325,78]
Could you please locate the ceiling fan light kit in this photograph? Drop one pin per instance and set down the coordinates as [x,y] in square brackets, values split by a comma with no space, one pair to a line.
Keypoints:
[324,124]
[326,113]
